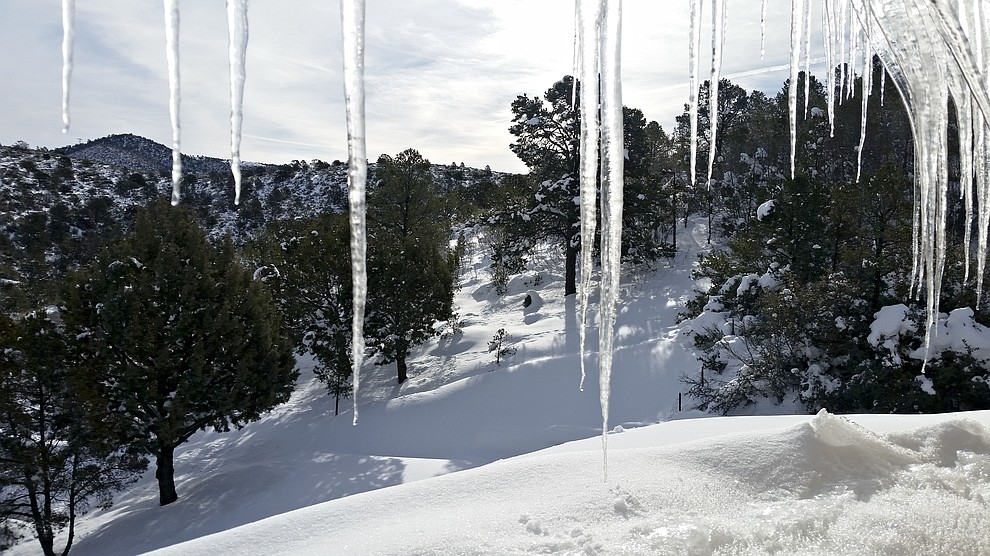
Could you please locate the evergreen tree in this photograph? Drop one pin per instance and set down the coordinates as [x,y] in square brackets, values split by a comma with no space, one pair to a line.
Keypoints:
[176,335]
[59,454]
[411,268]
[308,267]
[548,141]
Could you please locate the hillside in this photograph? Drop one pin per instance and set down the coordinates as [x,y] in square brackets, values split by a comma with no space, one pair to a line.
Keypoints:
[421,472]
[57,208]
[141,155]
[458,410]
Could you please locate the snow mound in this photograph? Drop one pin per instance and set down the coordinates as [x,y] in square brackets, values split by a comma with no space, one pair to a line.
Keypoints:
[825,485]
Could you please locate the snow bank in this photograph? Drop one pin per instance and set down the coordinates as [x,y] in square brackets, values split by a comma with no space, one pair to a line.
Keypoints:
[824,485]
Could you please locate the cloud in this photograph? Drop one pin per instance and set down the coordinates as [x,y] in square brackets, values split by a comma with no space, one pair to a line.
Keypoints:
[441,74]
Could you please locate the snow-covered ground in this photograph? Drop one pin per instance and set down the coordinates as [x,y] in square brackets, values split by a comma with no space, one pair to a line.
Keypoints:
[524,442]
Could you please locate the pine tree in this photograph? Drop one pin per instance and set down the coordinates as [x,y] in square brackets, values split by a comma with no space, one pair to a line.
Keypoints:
[176,334]
[59,454]
[307,265]
[411,268]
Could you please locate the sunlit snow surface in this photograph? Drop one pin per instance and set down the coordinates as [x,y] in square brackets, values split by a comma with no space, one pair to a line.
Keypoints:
[700,485]
[784,485]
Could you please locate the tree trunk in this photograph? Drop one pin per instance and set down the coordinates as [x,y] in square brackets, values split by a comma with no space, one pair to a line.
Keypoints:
[165,473]
[570,268]
[400,364]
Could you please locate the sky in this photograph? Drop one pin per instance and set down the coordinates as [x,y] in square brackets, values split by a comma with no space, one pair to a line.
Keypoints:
[440,74]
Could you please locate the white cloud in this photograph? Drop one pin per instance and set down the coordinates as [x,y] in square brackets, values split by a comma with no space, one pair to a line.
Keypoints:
[441,74]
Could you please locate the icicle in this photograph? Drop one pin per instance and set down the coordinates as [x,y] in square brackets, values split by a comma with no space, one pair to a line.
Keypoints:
[172,58]
[828,28]
[983,200]
[843,39]
[853,58]
[718,39]
[982,52]
[792,87]
[589,14]
[964,111]
[883,85]
[612,185]
[237,31]
[867,87]
[694,51]
[68,38]
[576,54]
[763,29]
[807,56]
[352,30]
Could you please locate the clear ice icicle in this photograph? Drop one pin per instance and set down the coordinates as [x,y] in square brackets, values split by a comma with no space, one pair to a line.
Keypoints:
[694,55]
[792,86]
[589,15]
[352,30]
[718,40]
[68,38]
[172,58]
[807,56]
[237,31]
[612,190]
[828,28]
[867,87]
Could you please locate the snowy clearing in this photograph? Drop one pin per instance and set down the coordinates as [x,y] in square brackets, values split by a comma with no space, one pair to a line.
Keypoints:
[470,457]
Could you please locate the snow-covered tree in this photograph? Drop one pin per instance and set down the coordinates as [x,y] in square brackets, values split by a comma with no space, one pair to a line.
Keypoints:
[176,334]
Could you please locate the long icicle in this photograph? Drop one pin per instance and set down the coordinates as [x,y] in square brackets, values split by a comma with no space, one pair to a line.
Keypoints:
[68,40]
[352,30]
[828,27]
[792,87]
[694,51]
[612,189]
[237,31]
[867,88]
[807,56]
[718,40]
[172,59]
[589,31]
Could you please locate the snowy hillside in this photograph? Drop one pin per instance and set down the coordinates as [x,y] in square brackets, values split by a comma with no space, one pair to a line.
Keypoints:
[141,155]
[788,484]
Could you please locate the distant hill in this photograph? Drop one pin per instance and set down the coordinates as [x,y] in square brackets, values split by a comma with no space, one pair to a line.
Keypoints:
[141,154]
[58,207]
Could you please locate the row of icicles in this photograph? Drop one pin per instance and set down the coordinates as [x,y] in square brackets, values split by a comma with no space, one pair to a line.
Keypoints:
[930,48]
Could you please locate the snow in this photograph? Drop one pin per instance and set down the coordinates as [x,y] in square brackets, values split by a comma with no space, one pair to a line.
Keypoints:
[754,492]
[806,485]
[765,209]
[468,457]
[890,323]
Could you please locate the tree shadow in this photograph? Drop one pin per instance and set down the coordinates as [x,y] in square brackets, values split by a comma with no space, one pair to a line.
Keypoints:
[208,501]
